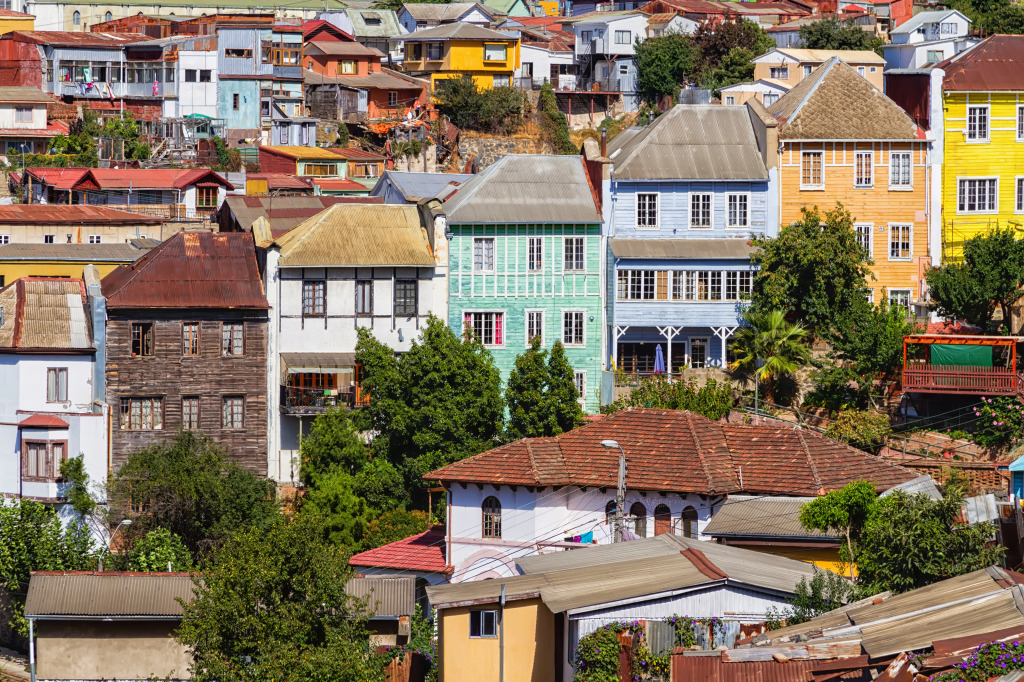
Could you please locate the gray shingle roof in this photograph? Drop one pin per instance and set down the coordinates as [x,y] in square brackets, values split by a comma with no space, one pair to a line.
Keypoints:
[459,31]
[693,141]
[526,189]
[400,186]
[434,11]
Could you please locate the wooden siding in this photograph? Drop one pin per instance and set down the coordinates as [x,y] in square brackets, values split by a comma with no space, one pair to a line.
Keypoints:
[674,209]
[878,206]
[209,375]
[1001,157]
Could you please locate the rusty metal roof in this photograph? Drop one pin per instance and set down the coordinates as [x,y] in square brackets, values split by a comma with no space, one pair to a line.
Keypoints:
[693,141]
[87,594]
[76,39]
[386,596]
[709,666]
[190,270]
[77,214]
[284,213]
[359,235]
[44,312]
[996,63]
[738,248]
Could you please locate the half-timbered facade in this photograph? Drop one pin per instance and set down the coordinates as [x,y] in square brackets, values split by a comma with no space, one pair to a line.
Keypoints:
[186,347]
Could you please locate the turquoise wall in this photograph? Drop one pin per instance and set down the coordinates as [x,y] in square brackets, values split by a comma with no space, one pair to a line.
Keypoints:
[512,290]
[248,114]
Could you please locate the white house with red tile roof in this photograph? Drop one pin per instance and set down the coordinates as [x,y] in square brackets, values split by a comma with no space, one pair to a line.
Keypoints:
[540,495]
[422,556]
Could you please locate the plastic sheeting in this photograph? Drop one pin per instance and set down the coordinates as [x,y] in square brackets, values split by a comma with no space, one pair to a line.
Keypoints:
[961,356]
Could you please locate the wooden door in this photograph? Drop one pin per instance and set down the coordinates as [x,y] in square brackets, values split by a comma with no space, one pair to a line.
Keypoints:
[662,520]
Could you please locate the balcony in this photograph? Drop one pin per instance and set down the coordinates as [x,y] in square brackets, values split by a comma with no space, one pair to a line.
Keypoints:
[961,380]
[288,71]
[961,364]
[313,401]
[119,90]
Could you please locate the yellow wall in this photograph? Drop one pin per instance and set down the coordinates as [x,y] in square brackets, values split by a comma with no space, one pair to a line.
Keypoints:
[12,270]
[464,57]
[1001,157]
[529,644]
[550,7]
[796,71]
[8,24]
[827,559]
[878,206]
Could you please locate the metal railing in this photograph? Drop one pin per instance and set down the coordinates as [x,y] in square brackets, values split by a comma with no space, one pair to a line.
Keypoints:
[315,400]
[961,379]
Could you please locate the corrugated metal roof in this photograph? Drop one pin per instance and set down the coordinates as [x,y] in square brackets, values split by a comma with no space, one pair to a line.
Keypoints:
[709,667]
[79,214]
[359,235]
[761,516]
[994,64]
[526,188]
[391,596]
[400,186]
[338,48]
[108,595]
[312,362]
[190,270]
[77,39]
[430,11]
[387,28]
[284,213]
[682,248]
[693,141]
[44,312]
[91,253]
[459,31]
[923,484]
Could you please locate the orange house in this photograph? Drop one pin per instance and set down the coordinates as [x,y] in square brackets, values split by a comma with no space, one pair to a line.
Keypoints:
[842,140]
[336,58]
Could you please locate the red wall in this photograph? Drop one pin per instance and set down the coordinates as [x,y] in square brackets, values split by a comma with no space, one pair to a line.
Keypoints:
[275,163]
[20,64]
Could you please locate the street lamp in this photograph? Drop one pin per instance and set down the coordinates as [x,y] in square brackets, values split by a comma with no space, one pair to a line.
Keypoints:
[620,491]
[110,542]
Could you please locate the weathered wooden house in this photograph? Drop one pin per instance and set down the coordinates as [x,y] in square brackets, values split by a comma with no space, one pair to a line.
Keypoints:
[186,347]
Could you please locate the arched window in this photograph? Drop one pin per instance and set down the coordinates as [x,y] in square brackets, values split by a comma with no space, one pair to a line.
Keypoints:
[492,517]
[609,512]
[639,514]
[76,18]
[690,522]
[108,16]
[662,519]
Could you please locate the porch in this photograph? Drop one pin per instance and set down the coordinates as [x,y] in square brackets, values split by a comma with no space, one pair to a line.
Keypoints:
[635,349]
[961,365]
[312,383]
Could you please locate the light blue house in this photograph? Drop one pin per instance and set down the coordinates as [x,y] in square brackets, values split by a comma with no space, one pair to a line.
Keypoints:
[526,260]
[685,194]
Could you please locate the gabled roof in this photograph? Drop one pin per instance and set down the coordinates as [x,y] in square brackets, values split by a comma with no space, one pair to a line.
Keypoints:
[994,64]
[453,11]
[679,451]
[526,189]
[423,552]
[387,28]
[319,25]
[922,18]
[58,178]
[43,421]
[190,270]
[44,313]
[818,56]
[90,594]
[76,39]
[406,186]
[147,178]
[590,577]
[358,235]
[692,141]
[284,213]
[835,103]
[459,31]
[337,48]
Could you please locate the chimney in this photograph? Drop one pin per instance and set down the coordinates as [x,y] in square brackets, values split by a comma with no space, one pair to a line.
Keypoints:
[604,142]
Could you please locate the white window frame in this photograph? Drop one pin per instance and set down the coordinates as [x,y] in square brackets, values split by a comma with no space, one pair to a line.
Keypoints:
[491,311]
[526,324]
[711,210]
[782,72]
[862,72]
[764,98]
[992,211]
[730,100]
[583,253]
[908,292]
[910,171]
[579,376]
[1018,199]
[988,124]
[618,34]
[657,210]
[870,228]
[483,256]
[808,70]
[707,351]
[910,242]
[539,241]
[1020,123]
[811,186]
[857,155]
[728,201]
[583,326]
[497,624]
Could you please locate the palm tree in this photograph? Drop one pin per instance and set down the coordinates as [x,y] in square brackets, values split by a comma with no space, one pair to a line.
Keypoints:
[768,337]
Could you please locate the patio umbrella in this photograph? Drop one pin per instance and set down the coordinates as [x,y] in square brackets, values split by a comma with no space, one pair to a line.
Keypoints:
[659,360]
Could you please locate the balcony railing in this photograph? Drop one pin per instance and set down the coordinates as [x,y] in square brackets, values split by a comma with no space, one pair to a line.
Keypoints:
[961,380]
[101,91]
[317,400]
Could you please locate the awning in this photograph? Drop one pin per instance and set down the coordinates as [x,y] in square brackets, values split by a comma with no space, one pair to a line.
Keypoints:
[738,248]
[318,363]
[43,421]
[960,355]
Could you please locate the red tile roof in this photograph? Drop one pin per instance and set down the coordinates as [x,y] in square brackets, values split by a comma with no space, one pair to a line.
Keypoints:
[190,270]
[147,178]
[77,214]
[58,178]
[423,552]
[947,327]
[679,451]
[43,421]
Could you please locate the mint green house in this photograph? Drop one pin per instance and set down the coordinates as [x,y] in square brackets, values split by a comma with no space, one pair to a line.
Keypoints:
[525,261]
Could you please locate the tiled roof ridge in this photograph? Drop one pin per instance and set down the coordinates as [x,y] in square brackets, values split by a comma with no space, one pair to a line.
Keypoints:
[701,562]
[700,451]
[810,458]
[533,460]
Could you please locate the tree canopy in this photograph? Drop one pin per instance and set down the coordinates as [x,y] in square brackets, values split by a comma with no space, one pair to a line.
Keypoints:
[541,394]
[831,34]
[500,110]
[769,347]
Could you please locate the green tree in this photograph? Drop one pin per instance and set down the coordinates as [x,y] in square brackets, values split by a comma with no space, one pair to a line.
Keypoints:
[436,404]
[714,399]
[663,64]
[824,592]
[562,400]
[191,488]
[381,485]
[500,110]
[990,277]
[158,551]
[831,34]
[734,67]
[126,128]
[715,41]
[32,538]
[392,526]
[333,444]
[525,393]
[815,270]
[271,605]
[769,339]
[343,514]
[77,492]
[844,512]
[554,122]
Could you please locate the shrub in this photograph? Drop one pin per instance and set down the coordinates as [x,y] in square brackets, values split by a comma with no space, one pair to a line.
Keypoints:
[713,399]
[1000,422]
[861,428]
[554,122]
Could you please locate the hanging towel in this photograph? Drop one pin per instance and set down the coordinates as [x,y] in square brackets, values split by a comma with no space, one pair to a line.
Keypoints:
[586,538]
[156,84]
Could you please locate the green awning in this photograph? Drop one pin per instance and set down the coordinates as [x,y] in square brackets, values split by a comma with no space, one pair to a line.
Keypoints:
[203,116]
[961,356]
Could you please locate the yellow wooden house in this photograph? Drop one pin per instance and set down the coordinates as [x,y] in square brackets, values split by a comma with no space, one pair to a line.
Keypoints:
[841,140]
[982,140]
[457,49]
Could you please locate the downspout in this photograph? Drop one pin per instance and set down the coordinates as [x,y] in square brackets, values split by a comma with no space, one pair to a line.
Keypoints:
[501,636]
[32,645]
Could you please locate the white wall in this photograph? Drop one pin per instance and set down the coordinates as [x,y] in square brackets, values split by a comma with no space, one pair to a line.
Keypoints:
[8,119]
[636,25]
[542,60]
[537,522]
[196,98]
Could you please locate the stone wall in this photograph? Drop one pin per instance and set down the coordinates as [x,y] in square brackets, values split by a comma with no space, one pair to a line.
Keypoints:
[490,149]
[327,132]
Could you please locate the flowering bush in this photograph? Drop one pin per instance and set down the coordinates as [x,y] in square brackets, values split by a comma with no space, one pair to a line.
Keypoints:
[1000,422]
[989,660]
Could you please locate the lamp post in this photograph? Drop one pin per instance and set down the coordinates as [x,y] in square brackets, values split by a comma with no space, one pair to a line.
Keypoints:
[110,542]
[620,490]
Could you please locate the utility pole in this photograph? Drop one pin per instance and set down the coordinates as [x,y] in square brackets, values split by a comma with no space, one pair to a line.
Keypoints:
[619,519]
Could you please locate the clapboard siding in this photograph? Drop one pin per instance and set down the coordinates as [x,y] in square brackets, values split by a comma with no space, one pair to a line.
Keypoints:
[169,374]
[674,208]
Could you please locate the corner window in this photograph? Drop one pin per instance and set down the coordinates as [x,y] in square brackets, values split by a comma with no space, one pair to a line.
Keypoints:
[900,242]
[405,297]
[488,328]
[234,412]
[483,254]
[811,176]
[364,297]
[900,170]
[495,52]
[142,414]
[573,333]
[314,297]
[575,254]
[491,509]
[190,338]
[232,338]
[142,338]
[739,210]
[56,384]
[977,195]
[700,211]
[646,211]
[483,624]
[864,169]
[977,124]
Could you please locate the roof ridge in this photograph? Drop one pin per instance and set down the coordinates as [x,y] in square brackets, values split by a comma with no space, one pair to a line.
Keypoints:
[533,462]
[700,451]
[826,68]
[19,312]
[810,458]
[701,562]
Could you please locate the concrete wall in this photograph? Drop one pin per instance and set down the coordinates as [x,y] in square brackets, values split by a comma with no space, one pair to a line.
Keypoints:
[197,98]
[89,650]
